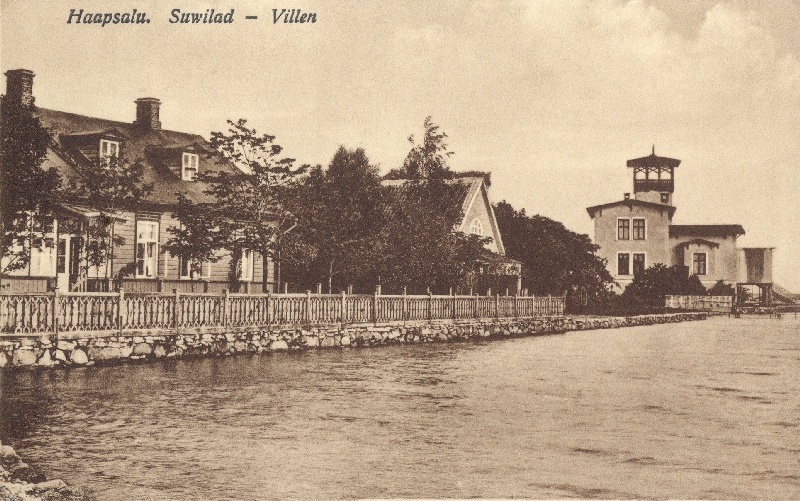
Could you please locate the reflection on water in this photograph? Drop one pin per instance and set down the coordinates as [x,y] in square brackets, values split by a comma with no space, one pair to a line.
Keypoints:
[695,410]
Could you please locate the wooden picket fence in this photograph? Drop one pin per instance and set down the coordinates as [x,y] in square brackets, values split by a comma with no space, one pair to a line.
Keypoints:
[720,304]
[109,313]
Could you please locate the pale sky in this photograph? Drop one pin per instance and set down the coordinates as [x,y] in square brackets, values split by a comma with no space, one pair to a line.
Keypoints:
[551,96]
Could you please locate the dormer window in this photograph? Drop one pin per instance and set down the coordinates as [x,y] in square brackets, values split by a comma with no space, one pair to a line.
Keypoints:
[109,149]
[476,228]
[189,167]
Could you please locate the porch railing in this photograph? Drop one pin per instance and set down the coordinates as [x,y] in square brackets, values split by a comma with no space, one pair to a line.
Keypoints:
[102,312]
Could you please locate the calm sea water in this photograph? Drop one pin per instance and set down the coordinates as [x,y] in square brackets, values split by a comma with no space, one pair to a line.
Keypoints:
[694,410]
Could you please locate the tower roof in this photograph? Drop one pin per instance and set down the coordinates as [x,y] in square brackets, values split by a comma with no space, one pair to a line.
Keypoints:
[654,161]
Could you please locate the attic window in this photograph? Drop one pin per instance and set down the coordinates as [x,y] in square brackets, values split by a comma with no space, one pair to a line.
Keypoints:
[189,167]
[109,149]
[476,228]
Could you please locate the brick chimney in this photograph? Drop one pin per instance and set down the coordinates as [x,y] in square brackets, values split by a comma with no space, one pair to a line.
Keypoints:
[147,113]
[19,87]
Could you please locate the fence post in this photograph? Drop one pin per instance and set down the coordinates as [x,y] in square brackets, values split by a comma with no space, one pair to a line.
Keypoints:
[308,307]
[225,305]
[269,311]
[455,304]
[430,305]
[175,310]
[121,310]
[497,305]
[475,307]
[56,310]
[516,306]
[405,306]
[375,304]
[343,307]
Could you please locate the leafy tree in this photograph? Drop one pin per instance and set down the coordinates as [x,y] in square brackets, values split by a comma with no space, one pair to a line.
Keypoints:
[554,259]
[198,238]
[250,209]
[108,185]
[649,287]
[423,250]
[27,190]
[337,237]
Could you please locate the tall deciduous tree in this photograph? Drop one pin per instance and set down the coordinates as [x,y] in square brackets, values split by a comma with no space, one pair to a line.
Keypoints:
[250,208]
[341,211]
[423,249]
[27,190]
[554,259]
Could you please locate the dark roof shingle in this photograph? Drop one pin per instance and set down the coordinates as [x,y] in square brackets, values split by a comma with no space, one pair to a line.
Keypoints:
[137,143]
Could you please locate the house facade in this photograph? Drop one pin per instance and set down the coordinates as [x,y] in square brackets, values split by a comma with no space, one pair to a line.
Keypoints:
[171,161]
[636,233]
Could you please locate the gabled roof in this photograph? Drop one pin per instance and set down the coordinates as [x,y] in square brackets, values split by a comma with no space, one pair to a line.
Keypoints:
[705,230]
[631,203]
[476,190]
[136,143]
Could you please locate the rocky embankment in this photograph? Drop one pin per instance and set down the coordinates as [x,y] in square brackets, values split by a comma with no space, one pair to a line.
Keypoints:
[43,352]
[22,482]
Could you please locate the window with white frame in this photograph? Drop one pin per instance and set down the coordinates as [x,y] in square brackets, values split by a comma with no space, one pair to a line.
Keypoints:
[623,229]
[639,228]
[246,265]
[108,149]
[638,262]
[623,263]
[146,248]
[185,269]
[699,263]
[476,227]
[189,166]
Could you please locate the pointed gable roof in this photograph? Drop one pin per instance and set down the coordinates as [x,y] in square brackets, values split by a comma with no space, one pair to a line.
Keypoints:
[477,193]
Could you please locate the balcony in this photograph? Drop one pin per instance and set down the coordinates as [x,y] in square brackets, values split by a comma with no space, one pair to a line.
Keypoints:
[663,185]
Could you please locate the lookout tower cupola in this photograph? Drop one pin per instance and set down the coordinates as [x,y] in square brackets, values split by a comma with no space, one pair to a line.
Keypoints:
[654,178]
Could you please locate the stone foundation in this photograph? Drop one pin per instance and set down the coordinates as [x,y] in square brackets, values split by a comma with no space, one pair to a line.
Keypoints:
[87,349]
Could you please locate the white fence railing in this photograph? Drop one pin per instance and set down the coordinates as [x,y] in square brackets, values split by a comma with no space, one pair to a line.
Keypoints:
[51,313]
[723,304]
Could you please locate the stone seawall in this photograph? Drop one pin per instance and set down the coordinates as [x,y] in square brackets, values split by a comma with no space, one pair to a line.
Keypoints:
[82,349]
